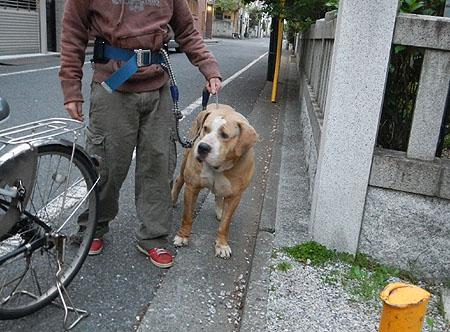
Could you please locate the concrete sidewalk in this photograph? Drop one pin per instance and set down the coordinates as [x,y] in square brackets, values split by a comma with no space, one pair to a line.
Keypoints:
[204,293]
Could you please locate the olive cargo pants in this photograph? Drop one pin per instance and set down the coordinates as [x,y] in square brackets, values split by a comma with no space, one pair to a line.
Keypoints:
[118,123]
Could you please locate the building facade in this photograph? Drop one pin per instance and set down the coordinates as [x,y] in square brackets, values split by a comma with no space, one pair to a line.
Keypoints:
[34,26]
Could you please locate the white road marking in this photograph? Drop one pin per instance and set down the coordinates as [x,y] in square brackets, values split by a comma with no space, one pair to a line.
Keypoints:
[32,70]
[28,71]
[189,109]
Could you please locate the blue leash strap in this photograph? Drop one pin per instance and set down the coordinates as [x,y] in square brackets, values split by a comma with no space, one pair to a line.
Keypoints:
[120,76]
[205,98]
[116,53]
[134,60]
[174,93]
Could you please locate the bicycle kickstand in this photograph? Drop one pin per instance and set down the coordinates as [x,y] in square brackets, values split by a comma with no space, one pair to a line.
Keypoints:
[60,242]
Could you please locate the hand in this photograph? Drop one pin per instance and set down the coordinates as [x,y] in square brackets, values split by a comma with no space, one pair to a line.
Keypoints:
[213,85]
[75,110]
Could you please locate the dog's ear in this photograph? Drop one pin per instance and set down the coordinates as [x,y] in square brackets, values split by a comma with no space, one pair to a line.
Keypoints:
[198,123]
[247,138]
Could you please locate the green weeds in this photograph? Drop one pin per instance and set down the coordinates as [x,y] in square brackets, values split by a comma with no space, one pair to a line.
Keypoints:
[362,276]
[284,266]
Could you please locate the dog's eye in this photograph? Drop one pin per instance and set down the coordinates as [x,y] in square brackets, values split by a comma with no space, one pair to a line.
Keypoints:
[206,129]
[224,135]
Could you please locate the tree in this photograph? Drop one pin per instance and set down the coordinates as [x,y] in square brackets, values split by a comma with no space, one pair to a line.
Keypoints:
[255,15]
[298,13]
[228,5]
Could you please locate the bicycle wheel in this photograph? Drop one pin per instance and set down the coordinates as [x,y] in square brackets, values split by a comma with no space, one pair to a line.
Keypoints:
[64,188]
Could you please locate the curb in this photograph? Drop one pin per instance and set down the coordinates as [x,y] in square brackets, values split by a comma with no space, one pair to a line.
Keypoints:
[446,302]
[21,59]
[255,309]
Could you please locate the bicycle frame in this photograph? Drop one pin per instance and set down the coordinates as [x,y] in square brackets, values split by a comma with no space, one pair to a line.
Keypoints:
[25,227]
[22,161]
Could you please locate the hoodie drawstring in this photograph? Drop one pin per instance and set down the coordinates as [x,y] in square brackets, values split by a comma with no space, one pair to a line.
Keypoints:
[121,13]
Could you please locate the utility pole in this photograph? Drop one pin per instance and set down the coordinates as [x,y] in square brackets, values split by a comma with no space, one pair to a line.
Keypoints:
[447,8]
[272,49]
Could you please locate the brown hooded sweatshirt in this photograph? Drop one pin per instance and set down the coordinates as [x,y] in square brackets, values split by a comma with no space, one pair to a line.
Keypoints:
[128,24]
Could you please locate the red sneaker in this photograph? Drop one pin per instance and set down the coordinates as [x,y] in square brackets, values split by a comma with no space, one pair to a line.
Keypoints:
[96,246]
[158,256]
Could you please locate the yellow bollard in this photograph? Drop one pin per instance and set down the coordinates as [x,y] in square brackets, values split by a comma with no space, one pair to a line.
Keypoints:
[404,308]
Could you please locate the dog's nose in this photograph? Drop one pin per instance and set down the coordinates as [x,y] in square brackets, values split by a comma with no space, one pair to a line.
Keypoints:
[203,149]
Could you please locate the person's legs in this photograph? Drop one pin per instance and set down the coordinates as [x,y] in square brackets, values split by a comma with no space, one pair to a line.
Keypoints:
[155,165]
[112,135]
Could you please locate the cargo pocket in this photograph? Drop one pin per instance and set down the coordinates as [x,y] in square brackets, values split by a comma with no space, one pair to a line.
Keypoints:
[96,145]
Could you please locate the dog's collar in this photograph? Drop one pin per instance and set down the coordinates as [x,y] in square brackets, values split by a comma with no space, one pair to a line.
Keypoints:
[226,165]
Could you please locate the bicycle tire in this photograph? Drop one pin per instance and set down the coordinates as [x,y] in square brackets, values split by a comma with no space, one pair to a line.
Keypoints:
[55,166]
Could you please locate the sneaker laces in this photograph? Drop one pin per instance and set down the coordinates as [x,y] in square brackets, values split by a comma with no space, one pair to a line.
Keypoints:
[161,251]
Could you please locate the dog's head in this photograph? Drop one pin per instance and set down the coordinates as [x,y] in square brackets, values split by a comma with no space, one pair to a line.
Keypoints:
[225,135]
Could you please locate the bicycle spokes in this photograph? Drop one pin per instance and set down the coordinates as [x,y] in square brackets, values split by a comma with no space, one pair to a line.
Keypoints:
[38,253]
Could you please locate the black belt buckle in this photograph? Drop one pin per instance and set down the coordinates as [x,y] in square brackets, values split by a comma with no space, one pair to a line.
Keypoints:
[99,51]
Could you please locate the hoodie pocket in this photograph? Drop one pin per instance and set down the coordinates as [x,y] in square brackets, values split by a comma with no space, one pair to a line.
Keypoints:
[151,40]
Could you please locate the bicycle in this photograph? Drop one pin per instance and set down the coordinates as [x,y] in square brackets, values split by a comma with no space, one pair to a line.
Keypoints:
[46,183]
[236,35]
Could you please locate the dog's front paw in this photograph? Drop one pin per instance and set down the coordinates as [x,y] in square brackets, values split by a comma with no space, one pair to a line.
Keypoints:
[223,251]
[179,241]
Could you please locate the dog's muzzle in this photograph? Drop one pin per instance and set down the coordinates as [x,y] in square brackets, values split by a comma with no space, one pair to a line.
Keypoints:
[202,151]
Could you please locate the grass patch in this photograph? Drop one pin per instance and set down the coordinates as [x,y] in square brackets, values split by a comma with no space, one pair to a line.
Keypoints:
[363,278]
[284,266]
[312,251]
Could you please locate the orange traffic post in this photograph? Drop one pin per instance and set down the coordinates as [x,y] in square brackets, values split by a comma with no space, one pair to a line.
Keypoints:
[278,57]
[404,308]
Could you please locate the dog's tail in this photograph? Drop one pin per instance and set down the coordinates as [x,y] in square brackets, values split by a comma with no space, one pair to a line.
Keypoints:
[179,182]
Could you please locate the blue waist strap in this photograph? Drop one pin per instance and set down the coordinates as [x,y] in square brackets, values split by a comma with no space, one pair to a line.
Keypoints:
[134,60]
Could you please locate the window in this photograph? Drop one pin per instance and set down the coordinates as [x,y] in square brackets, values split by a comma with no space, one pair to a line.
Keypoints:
[218,14]
[29,5]
[193,6]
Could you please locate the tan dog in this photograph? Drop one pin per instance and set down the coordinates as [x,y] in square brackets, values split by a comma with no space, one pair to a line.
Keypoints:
[222,160]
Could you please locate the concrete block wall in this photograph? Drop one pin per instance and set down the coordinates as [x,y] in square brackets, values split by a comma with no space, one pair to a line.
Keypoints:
[407,231]
[222,28]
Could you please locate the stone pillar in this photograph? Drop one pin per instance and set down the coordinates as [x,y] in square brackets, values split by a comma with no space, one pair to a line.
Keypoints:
[356,87]
[430,105]
[447,8]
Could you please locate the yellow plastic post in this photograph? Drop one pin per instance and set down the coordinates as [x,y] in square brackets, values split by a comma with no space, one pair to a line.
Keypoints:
[278,57]
[404,308]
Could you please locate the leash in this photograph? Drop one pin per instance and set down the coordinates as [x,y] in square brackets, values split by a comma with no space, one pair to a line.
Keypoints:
[167,65]
[205,99]
[140,58]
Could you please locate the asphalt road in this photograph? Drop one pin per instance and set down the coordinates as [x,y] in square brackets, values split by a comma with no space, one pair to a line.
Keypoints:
[116,286]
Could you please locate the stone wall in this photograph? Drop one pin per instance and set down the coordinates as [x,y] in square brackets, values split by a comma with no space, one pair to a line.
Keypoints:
[222,28]
[407,231]
[403,219]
